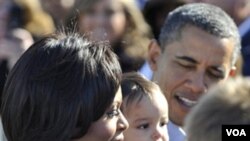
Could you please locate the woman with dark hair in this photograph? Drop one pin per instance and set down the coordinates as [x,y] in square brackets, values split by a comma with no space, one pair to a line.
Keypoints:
[64,88]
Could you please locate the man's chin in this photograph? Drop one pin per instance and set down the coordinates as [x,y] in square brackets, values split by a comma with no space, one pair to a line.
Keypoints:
[177,121]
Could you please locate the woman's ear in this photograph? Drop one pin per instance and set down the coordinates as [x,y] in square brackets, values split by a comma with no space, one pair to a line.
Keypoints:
[154,51]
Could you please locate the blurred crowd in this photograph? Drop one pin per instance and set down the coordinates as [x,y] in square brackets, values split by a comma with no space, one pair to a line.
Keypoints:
[128,25]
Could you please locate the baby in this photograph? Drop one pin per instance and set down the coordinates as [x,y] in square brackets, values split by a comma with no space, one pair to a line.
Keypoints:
[145,108]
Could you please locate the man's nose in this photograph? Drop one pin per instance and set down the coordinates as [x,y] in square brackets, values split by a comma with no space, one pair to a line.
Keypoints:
[197,83]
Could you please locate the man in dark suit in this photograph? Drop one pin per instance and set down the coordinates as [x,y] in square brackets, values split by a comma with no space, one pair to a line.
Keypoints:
[244,30]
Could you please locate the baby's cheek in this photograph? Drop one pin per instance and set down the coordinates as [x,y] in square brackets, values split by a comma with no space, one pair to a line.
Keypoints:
[133,134]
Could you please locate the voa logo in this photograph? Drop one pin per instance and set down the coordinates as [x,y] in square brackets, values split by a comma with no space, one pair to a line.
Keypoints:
[236,132]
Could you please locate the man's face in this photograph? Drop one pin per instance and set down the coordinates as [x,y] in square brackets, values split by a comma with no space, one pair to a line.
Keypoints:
[188,67]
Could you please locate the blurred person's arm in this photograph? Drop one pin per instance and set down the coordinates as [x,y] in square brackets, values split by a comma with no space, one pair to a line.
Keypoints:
[11,48]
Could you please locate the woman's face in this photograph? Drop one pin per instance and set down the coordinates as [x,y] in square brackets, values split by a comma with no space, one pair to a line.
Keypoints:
[106,19]
[110,126]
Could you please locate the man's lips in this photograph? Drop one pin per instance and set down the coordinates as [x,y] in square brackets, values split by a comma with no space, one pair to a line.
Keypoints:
[185,100]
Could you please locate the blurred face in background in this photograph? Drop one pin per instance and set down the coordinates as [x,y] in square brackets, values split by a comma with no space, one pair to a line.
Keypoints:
[57,8]
[226,5]
[105,18]
[239,10]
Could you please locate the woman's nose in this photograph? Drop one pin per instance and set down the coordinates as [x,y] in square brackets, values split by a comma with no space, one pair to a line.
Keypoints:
[122,123]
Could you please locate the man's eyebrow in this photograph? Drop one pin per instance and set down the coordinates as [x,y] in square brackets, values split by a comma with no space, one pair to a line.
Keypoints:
[186,58]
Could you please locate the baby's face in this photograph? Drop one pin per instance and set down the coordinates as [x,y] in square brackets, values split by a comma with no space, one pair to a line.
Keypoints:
[147,119]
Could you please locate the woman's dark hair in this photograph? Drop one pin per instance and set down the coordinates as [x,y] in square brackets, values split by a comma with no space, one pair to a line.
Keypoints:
[58,87]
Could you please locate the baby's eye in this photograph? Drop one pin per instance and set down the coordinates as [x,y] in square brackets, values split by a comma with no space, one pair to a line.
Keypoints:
[113,113]
[143,126]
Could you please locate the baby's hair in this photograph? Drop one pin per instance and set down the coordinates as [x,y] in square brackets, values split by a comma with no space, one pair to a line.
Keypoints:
[135,87]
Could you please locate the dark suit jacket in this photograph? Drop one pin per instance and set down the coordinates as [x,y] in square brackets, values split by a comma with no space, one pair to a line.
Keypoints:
[245,43]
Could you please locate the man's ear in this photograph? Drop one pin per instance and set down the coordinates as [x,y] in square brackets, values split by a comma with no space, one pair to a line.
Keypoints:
[233,72]
[154,51]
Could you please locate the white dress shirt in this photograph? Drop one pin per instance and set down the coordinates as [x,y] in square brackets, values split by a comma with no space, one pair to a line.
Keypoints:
[175,132]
